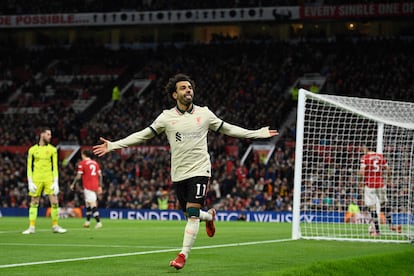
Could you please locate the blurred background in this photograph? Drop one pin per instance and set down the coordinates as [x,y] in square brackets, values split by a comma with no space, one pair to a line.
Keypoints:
[61,62]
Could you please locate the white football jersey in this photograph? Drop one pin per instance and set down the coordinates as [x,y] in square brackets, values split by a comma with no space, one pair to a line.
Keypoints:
[187,136]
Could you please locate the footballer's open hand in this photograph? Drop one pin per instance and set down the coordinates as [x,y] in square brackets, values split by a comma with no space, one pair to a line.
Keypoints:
[101,149]
[273,132]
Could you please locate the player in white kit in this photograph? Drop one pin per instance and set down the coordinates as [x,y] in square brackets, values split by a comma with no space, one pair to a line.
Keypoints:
[186,126]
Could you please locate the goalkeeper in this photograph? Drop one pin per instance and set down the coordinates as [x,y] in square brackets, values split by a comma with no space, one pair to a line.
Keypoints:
[186,126]
[42,176]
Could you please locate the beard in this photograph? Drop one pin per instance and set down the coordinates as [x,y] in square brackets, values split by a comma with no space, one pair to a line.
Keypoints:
[185,101]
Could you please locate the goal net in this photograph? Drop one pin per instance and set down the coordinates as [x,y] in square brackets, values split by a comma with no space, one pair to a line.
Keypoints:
[330,133]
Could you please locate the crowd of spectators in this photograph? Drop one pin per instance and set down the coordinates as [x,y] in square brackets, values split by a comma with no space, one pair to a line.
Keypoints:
[241,76]
[141,179]
[233,79]
[51,79]
[371,68]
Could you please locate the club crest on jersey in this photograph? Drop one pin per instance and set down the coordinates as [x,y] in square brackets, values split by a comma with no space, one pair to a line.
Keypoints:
[198,120]
[178,137]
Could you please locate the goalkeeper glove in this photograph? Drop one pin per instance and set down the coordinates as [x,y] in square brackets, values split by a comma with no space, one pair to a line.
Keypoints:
[32,186]
[55,186]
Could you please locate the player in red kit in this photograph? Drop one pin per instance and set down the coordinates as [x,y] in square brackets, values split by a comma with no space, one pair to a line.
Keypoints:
[90,173]
[375,173]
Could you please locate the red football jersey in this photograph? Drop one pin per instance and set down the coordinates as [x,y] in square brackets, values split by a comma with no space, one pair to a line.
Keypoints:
[90,171]
[373,164]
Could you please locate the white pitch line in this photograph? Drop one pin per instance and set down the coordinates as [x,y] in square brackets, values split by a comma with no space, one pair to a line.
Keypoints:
[82,245]
[139,253]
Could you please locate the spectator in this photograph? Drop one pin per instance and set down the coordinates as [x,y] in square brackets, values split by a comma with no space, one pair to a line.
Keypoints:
[353,212]
[116,96]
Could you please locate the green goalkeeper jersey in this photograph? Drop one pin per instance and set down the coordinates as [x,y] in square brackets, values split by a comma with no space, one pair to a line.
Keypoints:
[42,163]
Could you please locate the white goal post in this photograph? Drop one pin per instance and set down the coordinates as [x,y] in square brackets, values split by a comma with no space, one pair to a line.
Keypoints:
[330,132]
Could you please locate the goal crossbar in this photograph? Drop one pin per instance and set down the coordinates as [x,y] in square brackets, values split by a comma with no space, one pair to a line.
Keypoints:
[377,111]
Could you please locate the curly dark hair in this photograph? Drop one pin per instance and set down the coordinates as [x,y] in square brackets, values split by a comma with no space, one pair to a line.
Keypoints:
[171,86]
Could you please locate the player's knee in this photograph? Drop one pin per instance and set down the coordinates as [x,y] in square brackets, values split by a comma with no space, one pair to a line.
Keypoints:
[95,211]
[34,201]
[193,212]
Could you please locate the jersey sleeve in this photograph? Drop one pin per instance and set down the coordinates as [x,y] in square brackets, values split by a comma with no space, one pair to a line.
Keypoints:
[158,126]
[55,163]
[215,122]
[80,168]
[239,132]
[218,125]
[133,139]
[30,163]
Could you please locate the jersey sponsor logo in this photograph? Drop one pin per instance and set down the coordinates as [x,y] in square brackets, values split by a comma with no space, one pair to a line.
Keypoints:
[179,137]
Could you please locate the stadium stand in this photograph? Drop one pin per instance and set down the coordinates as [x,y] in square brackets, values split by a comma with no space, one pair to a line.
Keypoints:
[246,80]
[70,87]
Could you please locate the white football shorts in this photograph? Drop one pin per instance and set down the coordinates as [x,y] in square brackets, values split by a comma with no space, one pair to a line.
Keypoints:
[90,196]
[374,195]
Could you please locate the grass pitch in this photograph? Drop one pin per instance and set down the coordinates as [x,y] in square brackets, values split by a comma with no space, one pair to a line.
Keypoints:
[126,247]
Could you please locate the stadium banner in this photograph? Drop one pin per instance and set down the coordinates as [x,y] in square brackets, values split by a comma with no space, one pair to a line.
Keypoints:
[67,152]
[262,152]
[130,214]
[357,11]
[285,13]
[15,149]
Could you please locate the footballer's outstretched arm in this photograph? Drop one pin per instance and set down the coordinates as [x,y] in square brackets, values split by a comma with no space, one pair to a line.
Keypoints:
[133,139]
[239,132]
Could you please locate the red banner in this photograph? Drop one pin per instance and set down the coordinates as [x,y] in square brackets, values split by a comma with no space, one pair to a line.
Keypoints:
[357,11]
[15,149]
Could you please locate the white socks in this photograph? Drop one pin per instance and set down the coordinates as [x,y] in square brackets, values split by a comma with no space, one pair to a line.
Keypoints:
[190,234]
[205,216]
